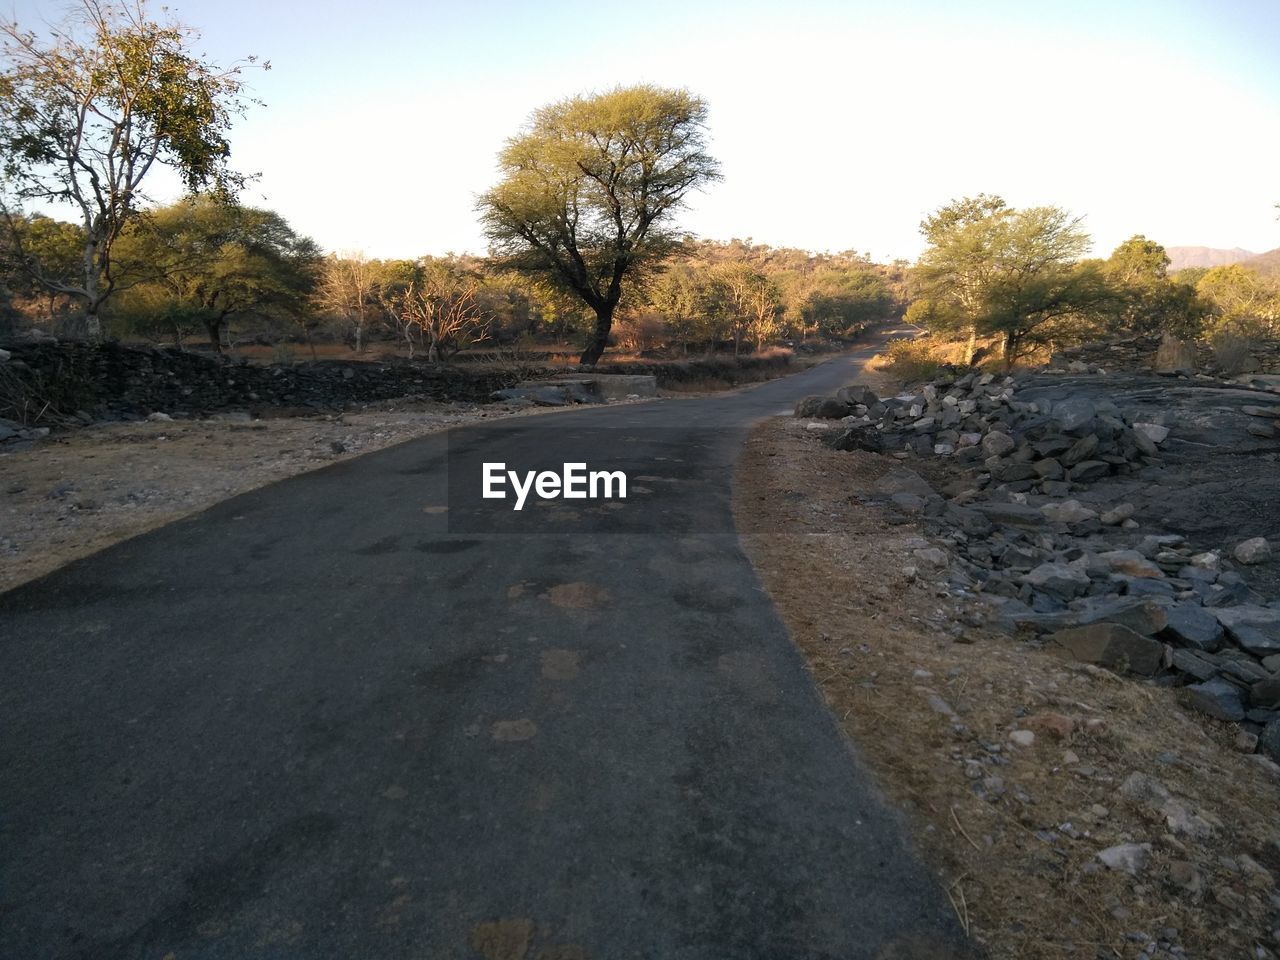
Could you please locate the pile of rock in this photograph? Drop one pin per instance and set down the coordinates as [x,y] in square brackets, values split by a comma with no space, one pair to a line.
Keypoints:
[1067,564]
[977,420]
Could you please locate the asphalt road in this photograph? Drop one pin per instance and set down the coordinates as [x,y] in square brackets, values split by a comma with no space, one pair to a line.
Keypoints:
[363,713]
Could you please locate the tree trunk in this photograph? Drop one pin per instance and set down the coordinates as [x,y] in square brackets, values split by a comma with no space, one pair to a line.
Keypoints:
[215,334]
[599,336]
[972,348]
[92,323]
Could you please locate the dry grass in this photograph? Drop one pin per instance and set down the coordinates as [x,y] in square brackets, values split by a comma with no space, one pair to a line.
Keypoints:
[892,653]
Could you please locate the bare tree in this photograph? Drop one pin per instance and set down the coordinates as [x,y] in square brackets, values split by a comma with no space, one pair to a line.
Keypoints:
[446,311]
[346,288]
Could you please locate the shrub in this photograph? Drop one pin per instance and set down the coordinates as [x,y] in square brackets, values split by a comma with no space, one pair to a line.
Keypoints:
[911,359]
[1232,351]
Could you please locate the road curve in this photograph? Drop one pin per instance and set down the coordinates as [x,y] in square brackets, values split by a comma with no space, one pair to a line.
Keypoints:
[340,716]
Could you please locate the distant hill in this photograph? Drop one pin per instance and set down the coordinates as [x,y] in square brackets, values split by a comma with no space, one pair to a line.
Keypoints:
[1267,263]
[1182,257]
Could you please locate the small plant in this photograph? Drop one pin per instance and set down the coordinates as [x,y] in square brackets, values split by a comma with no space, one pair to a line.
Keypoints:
[911,359]
[1232,351]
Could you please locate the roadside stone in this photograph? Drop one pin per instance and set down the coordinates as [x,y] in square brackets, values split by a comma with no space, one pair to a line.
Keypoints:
[1113,646]
[1254,628]
[1074,413]
[1253,550]
[1082,449]
[1266,693]
[1058,579]
[857,393]
[933,556]
[1195,663]
[1117,515]
[1089,470]
[1068,512]
[1015,514]
[1131,858]
[1175,355]
[1269,740]
[1140,614]
[1055,725]
[997,444]
[1152,431]
[1131,563]
[1022,738]
[1215,698]
[1193,625]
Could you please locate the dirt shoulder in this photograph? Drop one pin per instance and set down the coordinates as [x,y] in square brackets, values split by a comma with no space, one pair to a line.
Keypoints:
[77,492]
[1017,768]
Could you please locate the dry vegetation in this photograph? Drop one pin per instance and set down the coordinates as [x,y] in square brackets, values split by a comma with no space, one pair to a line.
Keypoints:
[930,699]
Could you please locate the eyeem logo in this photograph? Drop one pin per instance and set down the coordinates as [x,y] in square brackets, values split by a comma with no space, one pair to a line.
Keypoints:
[573,482]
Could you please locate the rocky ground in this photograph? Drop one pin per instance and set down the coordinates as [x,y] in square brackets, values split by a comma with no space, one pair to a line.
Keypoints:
[1045,608]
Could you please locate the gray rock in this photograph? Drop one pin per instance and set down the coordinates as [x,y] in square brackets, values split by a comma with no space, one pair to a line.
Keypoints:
[1254,550]
[1192,625]
[856,393]
[1113,646]
[824,408]
[1015,514]
[1117,515]
[997,444]
[1265,694]
[1089,470]
[1132,563]
[904,480]
[1068,511]
[1152,431]
[1216,698]
[1140,614]
[1058,579]
[1074,413]
[1131,858]
[1082,449]
[1269,740]
[1195,663]
[1252,627]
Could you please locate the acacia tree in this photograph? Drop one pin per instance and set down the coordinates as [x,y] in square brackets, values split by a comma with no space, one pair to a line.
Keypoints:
[204,262]
[589,189]
[995,271]
[87,114]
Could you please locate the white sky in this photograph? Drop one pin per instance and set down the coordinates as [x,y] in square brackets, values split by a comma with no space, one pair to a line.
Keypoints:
[839,125]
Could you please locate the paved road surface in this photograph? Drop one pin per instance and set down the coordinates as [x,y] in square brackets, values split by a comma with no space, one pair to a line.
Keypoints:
[328,718]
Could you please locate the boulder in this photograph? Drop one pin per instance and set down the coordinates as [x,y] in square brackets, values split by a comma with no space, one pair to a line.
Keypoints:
[1254,628]
[1112,645]
[1216,698]
[997,444]
[1253,550]
[856,393]
[1068,511]
[824,408]
[1088,470]
[1132,564]
[1130,858]
[1175,355]
[1058,579]
[1152,431]
[1140,614]
[1074,414]
[1269,740]
[1190,624]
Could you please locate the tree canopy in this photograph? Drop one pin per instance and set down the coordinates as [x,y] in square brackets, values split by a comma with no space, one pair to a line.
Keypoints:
[589,189]
[86,115]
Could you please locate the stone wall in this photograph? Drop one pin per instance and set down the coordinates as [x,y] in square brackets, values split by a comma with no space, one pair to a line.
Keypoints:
[56,381]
